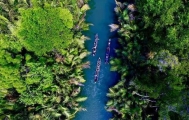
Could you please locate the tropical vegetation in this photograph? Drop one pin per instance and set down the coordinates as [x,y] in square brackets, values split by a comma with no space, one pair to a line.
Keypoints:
[152,61]
[41,53]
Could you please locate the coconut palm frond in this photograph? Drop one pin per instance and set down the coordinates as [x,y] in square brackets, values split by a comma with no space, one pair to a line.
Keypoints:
[56,114]
[86,65]
[80,79]
[81,40]
[113,68]
[111,90]
[83,55]
[113,27]
[68,59]
[65,111]
[66,99]
[85,7]
[110,103]
[4,6]
[2,18]
[110,95]
[80,99]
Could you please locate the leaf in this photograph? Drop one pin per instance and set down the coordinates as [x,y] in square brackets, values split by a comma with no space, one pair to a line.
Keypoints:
[28,57]
[58,99]
[111,90]
[113,68]
[110,103]
[83,55]
[85,7]
[69,58]
[55,114]
[110,95]
[4,19]
[50,109]
[81,79]
[67,113]
[66,99]
[80,99]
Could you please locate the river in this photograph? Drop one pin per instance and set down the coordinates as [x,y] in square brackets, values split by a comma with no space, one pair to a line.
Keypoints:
[100,15]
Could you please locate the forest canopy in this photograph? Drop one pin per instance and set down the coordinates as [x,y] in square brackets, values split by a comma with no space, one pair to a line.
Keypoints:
[154,50]
[41,68]
[42,30]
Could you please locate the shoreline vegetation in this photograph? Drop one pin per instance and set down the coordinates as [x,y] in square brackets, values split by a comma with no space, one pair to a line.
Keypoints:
[153,61]
[41,53]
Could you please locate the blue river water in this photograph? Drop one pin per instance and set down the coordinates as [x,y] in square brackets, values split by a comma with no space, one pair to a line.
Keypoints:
[100,15]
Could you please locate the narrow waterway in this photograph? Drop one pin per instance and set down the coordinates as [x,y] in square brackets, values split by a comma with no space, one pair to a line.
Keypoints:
[100,15]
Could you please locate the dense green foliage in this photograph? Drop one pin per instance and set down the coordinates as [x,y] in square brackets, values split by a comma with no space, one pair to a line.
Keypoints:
[155,52]
[41,56]
[45,29]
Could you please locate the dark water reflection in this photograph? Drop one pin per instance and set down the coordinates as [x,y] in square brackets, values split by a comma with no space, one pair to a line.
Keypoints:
[101,15]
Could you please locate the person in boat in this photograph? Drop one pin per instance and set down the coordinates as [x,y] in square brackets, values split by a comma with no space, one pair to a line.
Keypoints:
[98,69]
[107,56]
[94,48]
[96,76]
[106,59]
[95,43]
[94,52]
[98,62]
[108,48]
[109,42]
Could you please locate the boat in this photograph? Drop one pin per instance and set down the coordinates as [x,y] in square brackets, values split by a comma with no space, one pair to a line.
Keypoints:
[95,45]
[97,70]
[108,52]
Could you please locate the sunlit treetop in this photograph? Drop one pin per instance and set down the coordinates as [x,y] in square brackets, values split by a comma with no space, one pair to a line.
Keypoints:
[42,30]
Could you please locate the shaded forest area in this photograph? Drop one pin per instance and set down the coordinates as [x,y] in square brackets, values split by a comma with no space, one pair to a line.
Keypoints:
[41,52]
[153,61]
